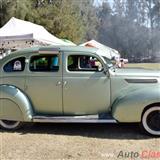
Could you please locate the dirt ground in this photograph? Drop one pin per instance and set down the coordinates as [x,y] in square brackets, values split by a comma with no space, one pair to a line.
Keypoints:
[78,141]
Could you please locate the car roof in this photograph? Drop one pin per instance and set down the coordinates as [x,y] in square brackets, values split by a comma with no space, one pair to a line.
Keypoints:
[75,49]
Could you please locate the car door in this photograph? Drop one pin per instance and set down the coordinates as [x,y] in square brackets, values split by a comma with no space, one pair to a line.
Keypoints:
[43,83]
[86,89]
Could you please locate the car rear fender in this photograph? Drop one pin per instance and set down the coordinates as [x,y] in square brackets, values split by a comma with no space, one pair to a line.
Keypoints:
[129,107]
[14,104]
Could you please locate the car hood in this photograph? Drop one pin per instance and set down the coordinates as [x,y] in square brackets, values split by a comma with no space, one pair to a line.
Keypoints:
[135,72]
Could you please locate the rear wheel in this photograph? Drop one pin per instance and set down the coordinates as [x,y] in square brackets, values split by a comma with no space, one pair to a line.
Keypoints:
[151,120]
[10,125]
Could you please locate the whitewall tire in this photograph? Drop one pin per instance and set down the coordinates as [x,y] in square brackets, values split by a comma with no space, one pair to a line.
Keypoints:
[10,125]
[151,120]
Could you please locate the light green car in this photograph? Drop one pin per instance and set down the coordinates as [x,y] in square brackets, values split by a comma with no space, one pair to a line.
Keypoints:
[75,85]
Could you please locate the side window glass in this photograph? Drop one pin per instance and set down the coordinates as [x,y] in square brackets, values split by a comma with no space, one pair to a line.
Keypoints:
[15,65]
[84,63]
[44,63]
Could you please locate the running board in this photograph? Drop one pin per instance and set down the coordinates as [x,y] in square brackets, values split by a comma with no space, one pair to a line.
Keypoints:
[73,119]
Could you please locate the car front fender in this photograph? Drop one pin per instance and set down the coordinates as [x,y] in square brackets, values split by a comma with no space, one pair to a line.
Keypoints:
[129,107]
[14,104]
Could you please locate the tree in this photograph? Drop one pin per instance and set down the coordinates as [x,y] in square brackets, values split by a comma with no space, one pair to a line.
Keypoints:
[59,17]
[14,8]
[88,14]
[156,13]
[3,10]
[131,27]
[119,7]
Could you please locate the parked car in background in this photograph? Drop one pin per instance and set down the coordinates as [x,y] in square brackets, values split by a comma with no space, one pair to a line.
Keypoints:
[75,84]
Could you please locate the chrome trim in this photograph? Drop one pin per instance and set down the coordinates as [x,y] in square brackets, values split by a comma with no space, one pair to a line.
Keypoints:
[49,50]
[141,80]
[72,119]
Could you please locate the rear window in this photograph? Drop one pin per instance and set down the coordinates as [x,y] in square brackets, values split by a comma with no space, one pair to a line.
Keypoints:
[44,63]
[15,65]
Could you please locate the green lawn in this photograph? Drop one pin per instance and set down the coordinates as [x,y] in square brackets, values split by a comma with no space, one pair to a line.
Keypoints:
[144,65]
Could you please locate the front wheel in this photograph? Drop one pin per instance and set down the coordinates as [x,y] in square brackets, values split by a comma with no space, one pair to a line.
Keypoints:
[10,125]
[151,120]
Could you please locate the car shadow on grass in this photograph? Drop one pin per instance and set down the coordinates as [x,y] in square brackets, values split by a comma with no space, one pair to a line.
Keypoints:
[105,131]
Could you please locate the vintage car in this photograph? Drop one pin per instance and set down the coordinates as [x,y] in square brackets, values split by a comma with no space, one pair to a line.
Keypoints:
[75,85]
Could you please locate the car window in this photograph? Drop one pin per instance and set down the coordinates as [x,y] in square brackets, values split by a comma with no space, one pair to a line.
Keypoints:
[84,63]
[44,63]
[15,65]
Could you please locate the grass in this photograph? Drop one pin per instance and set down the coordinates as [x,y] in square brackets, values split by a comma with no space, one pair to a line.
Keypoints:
[144,65]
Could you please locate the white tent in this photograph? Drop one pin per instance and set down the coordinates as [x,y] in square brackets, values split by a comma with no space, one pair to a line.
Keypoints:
[104,50]
[17,33]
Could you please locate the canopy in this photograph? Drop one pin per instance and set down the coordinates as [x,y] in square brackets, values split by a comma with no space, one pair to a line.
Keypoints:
[18,33]
[104,50]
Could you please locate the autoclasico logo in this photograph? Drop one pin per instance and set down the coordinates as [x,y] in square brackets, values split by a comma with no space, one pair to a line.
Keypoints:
[145,154]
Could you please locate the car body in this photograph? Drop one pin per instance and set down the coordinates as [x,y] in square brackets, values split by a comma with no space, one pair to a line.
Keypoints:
[75,84]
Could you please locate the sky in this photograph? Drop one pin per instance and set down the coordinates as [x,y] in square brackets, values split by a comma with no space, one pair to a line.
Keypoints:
[99,2]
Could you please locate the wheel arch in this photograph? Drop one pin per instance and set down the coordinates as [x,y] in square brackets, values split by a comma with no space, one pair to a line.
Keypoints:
[130,107]
[14,97]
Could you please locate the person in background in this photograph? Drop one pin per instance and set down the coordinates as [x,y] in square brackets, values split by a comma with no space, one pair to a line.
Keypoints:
[84,63]
[121,63]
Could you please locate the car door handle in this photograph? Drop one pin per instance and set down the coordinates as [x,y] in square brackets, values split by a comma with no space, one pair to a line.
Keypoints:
[64,83]
[59,83]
